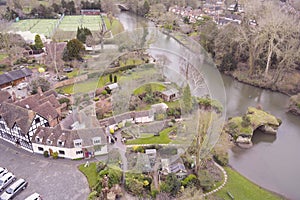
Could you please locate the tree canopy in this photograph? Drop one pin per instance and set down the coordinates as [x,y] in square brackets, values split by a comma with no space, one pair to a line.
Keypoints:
[73,50]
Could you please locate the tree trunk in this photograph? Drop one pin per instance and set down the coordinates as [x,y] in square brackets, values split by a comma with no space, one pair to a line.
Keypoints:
[270,52]
[251,60]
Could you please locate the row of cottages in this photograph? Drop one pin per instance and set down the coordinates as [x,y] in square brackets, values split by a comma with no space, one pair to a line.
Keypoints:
[71,144]
[19,120]
[119,121]
[14,77]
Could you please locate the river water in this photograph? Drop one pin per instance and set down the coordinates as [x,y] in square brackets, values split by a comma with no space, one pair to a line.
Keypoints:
[273,161]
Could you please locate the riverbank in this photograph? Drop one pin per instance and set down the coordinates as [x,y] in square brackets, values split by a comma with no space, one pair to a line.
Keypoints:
[240,187]
[288,84]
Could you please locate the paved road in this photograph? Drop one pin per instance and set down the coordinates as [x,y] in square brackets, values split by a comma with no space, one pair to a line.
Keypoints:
[53,179]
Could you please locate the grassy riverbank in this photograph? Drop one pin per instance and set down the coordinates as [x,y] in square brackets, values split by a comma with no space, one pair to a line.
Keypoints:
[242,188]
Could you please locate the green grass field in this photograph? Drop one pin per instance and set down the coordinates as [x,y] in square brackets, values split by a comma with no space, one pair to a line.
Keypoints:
[86,86]
[154,87]
[90,173]
[40,26]
[242,188]
[163,138]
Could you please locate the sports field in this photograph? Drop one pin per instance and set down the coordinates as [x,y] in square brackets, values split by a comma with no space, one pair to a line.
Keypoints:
[40,26]
[68,27]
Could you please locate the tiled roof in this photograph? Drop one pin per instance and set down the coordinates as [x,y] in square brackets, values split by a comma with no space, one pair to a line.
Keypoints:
[44,105]
[15,114]
[5,78]
[4,96]
[88,134]
[46,110]
[14,75]
[68,136]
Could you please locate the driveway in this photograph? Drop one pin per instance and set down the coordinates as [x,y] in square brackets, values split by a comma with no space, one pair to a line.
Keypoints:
[53,179]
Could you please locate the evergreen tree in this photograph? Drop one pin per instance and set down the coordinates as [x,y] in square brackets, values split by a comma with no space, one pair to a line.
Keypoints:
[38,43]
[82,34]
[110,78]
[73,50]
[115,79]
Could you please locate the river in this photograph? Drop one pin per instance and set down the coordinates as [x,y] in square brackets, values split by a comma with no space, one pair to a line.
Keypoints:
[272,162]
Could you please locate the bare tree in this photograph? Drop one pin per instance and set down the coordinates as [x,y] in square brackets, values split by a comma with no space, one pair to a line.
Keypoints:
[54,55]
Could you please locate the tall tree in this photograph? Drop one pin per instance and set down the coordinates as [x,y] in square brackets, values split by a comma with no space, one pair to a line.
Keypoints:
[187,99]
[73,50]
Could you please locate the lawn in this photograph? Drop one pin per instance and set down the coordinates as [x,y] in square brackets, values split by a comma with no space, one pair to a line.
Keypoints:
[131,62]
[84,87]
[241,188]
[154,87]
[90,173]
[163,138]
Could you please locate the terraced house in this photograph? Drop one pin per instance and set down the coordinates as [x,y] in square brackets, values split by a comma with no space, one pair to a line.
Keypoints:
[19,120]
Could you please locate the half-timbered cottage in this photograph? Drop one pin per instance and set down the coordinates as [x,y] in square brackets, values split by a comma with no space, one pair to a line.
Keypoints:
[20,120]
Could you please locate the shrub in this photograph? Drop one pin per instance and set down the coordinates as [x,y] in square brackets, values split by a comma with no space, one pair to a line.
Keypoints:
[160,116]
[190,180]
[64,100]
[221,158]
[46,154]
[104,92]
[154,193]
[114,175]
[134,186]
[100,166]
[138,149]
[96,99]
[55,155]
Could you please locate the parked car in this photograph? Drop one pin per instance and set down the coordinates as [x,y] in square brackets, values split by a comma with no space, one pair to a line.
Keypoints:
[60,78]
[6,180]
[34,196]
[68,69]
[3,171]
[14,189]
[21,86]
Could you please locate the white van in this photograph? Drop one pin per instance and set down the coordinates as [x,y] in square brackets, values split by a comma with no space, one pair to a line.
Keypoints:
[6,180]
[14,189]
[3,171]
[34,196]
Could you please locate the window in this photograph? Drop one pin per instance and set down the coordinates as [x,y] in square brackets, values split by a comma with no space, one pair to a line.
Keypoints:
[78,143]
[37,120]
[79,152]
[60,143]
[40,148]
[96,140]
[37,139]
[61,152]
[49,142]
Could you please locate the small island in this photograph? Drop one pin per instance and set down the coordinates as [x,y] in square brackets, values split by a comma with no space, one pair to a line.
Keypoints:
[242,128]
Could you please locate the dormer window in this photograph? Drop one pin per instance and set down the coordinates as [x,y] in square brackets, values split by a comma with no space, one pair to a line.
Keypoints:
[39,140]
[49,142]
[97,140]
[78,143]
[60,143]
